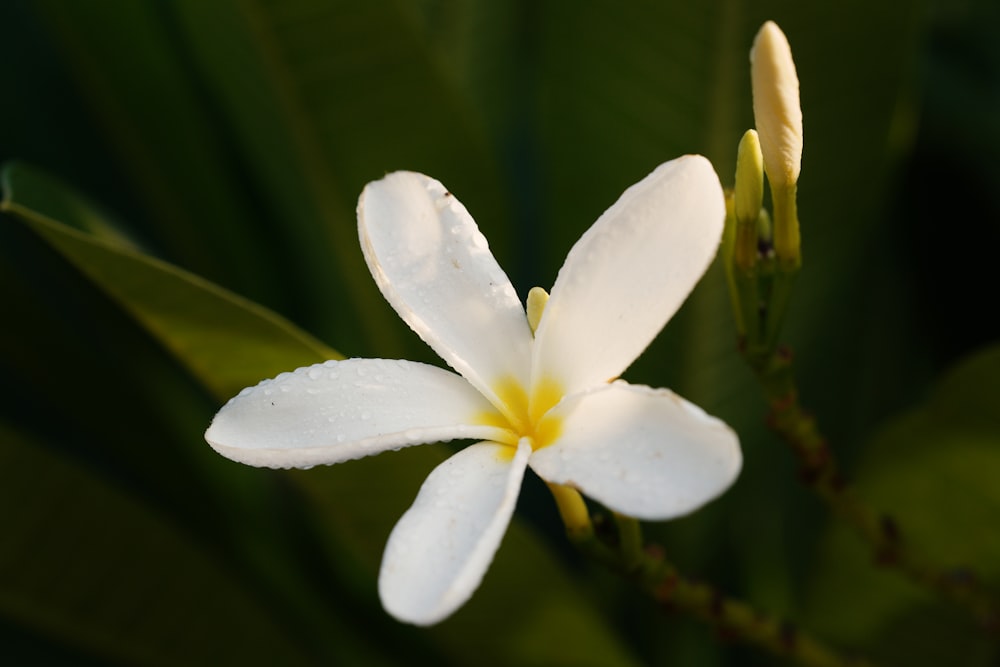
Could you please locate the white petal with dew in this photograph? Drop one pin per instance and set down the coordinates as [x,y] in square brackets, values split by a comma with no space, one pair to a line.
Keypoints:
[441,548]
[643,452]
[342,410]
[435,268]
[629,274]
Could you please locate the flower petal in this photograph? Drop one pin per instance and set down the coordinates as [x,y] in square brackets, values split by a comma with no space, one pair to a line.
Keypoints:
[629,273]
[435,268]
[644,452]
[342,410]
[439,551]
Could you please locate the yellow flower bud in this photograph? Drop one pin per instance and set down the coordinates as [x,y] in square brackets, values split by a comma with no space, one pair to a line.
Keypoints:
[778,116]
[776,108]
[537,298]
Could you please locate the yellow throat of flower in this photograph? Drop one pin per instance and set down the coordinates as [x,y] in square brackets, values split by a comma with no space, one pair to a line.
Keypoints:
[521,414]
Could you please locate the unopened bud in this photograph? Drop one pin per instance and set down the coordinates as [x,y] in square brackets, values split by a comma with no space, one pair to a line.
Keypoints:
[776,109]
[748,196]
[778,116]
[537,298]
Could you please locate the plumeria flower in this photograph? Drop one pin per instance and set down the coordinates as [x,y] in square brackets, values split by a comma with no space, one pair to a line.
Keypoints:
[547,399]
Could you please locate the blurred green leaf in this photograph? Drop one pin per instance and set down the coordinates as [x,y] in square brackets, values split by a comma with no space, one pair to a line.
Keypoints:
[175,157]
[91,565]
[934,470]
[226,341]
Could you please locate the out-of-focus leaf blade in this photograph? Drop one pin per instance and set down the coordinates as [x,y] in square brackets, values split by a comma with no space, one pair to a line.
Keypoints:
[174,156]
[935,471]
[92,566]
[226,341]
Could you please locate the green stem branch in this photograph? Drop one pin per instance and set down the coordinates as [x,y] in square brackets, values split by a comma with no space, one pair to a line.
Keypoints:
[820,472]
[648,569]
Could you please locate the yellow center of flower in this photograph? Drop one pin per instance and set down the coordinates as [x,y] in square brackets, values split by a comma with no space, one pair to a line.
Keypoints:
[524,416]
[521,415]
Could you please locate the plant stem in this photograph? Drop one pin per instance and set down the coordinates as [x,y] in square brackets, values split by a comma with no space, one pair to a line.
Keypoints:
[648,569]
[820,472]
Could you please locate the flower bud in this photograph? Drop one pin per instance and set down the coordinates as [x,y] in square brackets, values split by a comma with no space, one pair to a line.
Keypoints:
[748,196]
[778,116]
[776,108]
[537,298]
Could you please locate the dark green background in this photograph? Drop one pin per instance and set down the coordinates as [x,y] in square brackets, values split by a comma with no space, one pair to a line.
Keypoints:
[231,138]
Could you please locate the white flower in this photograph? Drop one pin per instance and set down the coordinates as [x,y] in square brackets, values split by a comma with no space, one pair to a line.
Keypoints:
[548,401]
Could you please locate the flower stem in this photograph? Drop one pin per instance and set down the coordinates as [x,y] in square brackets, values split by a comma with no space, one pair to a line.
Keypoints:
[760,294]
[820,472]
[648,569]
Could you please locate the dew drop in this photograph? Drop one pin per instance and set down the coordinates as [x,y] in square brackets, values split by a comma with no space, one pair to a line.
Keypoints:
[315,373]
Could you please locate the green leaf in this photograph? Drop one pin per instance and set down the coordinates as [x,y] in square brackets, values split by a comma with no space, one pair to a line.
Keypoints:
[225,341]
[934,471]
[172,155]
[91,565]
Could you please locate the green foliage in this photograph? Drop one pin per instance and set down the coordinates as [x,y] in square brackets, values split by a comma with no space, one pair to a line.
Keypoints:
[225,143]
[226,341]
[934,469]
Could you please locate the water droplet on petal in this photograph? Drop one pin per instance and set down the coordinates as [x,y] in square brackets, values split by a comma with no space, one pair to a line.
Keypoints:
[315,373]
